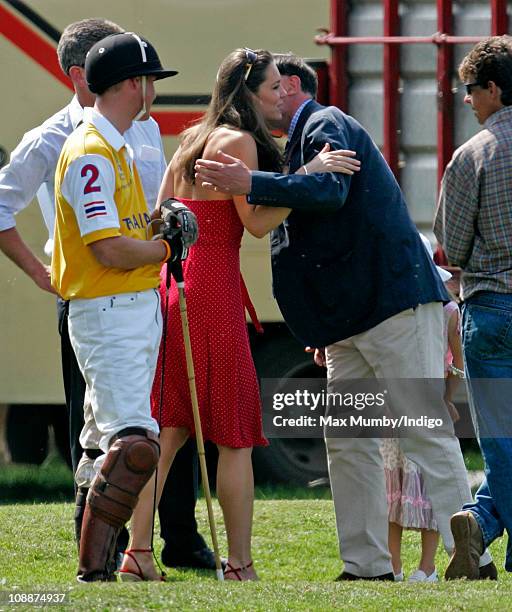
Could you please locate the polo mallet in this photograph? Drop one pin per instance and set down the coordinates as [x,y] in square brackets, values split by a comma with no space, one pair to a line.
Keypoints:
[175,269]
[177,272]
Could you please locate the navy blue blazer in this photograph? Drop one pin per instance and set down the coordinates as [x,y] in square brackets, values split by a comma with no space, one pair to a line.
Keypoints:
[348,256]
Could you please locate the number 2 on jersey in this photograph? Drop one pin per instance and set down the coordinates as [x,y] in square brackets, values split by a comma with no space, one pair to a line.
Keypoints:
[90,187]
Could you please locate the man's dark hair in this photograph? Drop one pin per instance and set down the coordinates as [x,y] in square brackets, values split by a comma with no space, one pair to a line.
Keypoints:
[290,64]
[490,60]
[77,38]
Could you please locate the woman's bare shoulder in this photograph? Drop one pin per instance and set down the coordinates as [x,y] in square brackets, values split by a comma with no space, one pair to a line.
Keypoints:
[230,140]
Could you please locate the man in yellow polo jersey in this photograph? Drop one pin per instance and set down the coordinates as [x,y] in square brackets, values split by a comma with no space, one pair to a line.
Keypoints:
[103,263]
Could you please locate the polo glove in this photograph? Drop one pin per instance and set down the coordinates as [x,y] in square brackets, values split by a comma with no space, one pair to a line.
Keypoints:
[180,228]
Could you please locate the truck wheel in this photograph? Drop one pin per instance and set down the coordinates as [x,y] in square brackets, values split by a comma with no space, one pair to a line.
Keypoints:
[27,433]
[296,461]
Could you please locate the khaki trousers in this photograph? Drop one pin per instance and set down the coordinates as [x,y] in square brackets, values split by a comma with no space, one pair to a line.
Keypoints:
[407,345]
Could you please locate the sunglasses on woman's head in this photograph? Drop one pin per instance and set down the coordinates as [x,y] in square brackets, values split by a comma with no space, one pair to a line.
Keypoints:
[250,59]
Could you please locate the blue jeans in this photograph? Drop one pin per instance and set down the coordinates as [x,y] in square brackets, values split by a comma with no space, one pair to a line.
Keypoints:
[487,343]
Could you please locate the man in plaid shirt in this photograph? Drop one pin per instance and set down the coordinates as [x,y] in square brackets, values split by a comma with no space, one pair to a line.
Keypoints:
[474,225]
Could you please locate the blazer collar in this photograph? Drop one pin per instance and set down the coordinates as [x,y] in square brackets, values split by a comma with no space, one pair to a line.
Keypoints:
[296,138]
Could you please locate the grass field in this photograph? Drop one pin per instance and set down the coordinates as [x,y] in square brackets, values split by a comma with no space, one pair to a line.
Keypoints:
[295,551]
[294,548]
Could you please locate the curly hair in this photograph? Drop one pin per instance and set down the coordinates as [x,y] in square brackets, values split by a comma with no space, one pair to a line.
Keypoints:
[490,60]
[232,105]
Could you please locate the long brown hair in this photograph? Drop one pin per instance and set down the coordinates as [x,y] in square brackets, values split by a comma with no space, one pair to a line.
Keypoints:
[239,76]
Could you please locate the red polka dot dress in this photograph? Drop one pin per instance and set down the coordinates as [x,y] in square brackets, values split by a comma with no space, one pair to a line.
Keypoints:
[226,381]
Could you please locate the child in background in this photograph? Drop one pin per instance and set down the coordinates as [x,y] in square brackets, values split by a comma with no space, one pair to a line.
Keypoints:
[409,506]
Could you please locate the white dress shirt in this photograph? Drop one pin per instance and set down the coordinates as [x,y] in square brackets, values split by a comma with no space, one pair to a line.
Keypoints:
[31,169]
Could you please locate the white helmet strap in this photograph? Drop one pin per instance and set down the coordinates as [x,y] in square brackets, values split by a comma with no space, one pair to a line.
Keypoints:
[142,112]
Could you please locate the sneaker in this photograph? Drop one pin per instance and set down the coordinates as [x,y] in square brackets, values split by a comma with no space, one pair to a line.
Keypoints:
[420,576]
[399,577]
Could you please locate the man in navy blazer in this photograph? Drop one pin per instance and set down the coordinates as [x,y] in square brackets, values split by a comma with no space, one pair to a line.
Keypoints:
[351,274]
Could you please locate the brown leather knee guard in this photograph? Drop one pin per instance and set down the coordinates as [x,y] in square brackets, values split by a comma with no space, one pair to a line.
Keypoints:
[129,464]
[113,495]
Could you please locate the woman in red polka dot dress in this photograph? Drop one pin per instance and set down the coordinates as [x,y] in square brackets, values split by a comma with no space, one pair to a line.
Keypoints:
[248,92]
[226,381]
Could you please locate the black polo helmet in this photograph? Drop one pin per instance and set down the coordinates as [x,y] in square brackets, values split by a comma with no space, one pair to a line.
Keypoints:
[122,56]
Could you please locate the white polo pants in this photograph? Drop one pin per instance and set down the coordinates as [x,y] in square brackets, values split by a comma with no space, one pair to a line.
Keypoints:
[116,341]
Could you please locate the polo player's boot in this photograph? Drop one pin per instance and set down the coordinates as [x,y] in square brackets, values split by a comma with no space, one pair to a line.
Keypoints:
[129,464]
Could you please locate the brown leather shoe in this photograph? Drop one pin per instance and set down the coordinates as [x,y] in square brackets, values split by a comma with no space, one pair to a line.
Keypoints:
[488,572]
[469,546]
[348,576]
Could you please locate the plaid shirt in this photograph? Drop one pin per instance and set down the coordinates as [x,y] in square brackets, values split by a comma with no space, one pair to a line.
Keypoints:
[473,221]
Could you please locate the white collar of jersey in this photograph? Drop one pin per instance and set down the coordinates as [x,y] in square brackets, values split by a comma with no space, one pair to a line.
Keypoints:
[76,112]
[105,128]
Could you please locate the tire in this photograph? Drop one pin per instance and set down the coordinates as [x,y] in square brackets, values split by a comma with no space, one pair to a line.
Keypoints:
[27,433]
[295,461]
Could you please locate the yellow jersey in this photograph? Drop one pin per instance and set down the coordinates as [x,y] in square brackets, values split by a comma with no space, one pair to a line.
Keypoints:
[98,194]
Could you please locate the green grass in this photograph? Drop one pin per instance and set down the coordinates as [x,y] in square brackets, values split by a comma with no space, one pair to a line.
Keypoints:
[473,460]
[295,551]
[51,481]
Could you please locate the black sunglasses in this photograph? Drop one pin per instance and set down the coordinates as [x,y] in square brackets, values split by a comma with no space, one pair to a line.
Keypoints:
[469,87]
[250,59]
